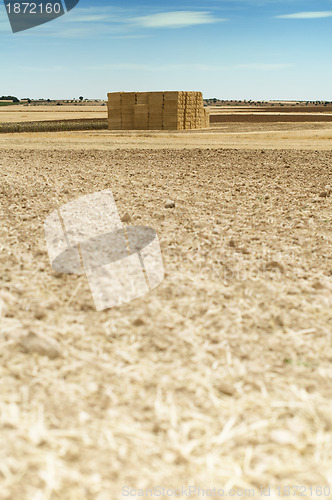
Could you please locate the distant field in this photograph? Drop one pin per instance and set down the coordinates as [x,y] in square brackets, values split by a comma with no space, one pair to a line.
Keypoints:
[270,109]
[52,118]
[269,117]
[21,113]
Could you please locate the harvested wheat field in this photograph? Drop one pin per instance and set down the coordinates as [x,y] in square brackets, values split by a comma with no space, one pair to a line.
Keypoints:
[219,378]
[24,113]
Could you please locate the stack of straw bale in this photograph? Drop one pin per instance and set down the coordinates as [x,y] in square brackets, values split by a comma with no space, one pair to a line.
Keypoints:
[156,111]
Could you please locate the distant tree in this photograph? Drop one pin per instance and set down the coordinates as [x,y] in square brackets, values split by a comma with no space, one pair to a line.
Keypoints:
[9,98]
[81,98]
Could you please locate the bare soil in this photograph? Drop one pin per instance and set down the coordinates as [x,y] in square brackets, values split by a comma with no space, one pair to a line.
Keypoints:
[254,108]
[296,135]
[270,117]
[220,377]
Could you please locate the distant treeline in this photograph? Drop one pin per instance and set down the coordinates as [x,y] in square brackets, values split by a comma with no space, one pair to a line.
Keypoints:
[9,98]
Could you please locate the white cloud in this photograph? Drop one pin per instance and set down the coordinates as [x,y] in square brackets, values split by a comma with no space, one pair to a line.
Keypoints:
[109,15]
[188,67]
[95,14]
[176,19]
[88,19]
[307,15]
[117,23]
[263,66]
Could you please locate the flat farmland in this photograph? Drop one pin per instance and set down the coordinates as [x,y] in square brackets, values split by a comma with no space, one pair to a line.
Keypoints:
[249,135]
[221,376]
[23,113]
[272,108]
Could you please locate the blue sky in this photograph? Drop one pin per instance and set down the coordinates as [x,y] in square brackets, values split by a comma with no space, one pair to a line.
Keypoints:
[231,49]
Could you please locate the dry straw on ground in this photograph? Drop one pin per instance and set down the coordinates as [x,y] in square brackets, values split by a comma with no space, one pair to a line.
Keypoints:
[219,377]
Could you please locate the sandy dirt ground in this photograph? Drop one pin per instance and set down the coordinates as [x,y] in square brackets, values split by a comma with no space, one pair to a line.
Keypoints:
[219,378]
[22,113]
